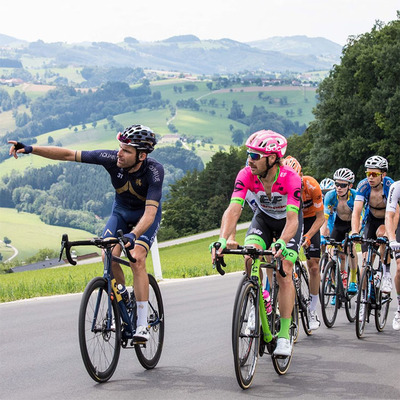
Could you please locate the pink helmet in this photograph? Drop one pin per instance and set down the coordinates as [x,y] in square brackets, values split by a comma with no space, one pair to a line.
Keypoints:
[267,142]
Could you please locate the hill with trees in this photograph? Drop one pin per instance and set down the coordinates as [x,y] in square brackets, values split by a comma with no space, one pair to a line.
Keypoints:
[180,53]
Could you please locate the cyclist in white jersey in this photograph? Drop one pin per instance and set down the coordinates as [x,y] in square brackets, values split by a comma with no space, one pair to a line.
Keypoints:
[391,224]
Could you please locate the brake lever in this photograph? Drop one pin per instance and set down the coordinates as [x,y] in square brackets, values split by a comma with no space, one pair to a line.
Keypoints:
[122,242]
[219,261]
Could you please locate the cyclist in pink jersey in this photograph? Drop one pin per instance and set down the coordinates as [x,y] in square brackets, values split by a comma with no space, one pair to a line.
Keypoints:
[276,190]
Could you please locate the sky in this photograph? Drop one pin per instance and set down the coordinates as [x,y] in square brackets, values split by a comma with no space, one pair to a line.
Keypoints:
[75,21]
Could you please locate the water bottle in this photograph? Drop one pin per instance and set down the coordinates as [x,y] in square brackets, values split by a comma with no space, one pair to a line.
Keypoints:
[378,276]
[124,294]
[267,302]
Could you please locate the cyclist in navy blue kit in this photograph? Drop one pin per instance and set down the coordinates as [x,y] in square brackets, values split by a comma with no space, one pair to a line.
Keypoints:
[137,181]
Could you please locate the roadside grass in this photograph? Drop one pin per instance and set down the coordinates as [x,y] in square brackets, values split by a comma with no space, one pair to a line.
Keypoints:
[186,260]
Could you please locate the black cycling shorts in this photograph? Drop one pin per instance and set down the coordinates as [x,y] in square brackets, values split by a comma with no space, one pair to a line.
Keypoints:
[340,228]
[269,228]
[371,226]
[314,251]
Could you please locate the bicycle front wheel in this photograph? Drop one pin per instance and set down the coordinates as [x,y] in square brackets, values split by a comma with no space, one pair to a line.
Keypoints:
[329,303]
[99,330]
[245,336]
[382,312]
[362,312]
[149,353]
[350,303]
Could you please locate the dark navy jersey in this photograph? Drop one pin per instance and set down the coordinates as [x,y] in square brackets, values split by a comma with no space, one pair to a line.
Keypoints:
[132,190]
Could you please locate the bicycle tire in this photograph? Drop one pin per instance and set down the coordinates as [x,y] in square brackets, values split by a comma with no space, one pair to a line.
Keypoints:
[149,353]
[100,349]
[322,262]
[328,290]
[382,312]
[281,365]
[245,341]
[362,303]
[243,279]
[350,303]
[305,299]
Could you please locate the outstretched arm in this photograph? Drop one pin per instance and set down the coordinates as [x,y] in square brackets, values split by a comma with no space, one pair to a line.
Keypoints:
[51,152]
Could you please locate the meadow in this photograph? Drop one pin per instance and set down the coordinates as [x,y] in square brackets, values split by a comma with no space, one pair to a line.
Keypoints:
[29,234]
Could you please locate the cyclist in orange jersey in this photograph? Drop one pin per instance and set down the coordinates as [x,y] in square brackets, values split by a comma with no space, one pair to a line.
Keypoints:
[313,219]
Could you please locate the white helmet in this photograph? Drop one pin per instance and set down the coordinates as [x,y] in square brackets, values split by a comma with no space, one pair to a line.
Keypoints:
[327,184]
[344,174]
[377,162]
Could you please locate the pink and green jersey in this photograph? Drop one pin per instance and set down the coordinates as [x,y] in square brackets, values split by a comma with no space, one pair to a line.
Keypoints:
[285,191]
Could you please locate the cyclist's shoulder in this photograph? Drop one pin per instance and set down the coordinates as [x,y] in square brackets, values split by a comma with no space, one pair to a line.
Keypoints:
[311,185]
[154,169]
[288,177]
[330,197]
[363,186]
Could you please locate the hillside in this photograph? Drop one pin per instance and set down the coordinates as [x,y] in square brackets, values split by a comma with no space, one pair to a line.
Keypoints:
[181,53]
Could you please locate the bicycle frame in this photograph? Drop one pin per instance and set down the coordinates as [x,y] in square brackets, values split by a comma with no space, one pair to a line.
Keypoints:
[254,254]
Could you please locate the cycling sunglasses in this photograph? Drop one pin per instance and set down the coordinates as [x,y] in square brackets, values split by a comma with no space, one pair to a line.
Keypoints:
[256,156]
[373,174]
[341,185]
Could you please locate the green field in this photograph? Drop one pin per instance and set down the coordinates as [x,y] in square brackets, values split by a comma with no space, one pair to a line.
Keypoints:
[181,261]
[29,234]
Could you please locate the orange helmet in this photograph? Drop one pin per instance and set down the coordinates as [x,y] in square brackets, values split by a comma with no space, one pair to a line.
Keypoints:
[292,162]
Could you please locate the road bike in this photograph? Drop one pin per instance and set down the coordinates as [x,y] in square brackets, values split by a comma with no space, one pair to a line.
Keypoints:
[370,298]
[107,321]
[334,289]
[254,332]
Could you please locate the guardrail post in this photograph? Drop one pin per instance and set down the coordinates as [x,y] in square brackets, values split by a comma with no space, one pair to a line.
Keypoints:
[155,255]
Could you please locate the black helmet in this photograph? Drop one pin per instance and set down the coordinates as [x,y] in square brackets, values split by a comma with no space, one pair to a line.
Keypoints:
[139,136]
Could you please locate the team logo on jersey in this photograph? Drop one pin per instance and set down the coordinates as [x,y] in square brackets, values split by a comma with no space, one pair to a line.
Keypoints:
[138,182]
[239,186]
[120,175]
[297,194]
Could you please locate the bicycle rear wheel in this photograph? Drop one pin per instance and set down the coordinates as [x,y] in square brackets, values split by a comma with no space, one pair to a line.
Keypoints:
[304,299]
[329,303]
[350,303]
[245,336]
[363,305]
[99,331]
[149,353]
[382,313]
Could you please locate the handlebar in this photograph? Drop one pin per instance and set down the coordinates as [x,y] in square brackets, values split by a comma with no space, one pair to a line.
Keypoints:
[251,251]
[102,243]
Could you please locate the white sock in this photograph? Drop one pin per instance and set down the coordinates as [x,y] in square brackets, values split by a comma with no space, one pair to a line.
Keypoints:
[142,307]
[314,302]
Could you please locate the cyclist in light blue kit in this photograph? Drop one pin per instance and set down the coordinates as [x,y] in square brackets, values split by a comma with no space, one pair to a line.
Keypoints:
[340,201]
[372,193]
[137,181]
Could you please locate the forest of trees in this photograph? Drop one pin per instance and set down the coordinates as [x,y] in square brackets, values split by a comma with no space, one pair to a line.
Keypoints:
[358,114]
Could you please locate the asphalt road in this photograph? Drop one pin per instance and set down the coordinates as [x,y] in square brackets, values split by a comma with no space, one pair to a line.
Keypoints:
[40,358]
